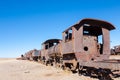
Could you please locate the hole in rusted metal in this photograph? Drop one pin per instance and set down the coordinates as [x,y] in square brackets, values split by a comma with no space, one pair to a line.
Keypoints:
[86,48]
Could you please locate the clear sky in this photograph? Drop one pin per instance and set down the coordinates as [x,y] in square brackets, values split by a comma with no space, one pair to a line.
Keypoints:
[25,24]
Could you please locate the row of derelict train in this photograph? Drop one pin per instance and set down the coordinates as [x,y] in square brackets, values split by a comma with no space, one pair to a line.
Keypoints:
[84,48]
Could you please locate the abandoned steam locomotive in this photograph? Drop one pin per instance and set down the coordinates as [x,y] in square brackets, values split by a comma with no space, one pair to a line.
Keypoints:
[85,48]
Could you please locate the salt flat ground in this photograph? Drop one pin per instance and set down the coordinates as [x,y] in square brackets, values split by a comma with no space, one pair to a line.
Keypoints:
[12,69]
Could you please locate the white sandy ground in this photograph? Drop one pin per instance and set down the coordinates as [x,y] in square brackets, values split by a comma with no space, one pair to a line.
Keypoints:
[114,57]
[12,69]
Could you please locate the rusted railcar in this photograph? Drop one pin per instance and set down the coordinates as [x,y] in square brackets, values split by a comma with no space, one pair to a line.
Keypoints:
[115,50]
[35,54]
[51,51]
[86,46]
[28,55]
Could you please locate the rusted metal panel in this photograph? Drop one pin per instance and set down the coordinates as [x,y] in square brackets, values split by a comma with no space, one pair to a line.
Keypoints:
[42,52]
[117,49]
[106,41]
[67,47]
[35,53]
[90,45]
[108,64]
[78,39]
[46,54]
[54,49]
[82,57]
[58,48]
[51,50]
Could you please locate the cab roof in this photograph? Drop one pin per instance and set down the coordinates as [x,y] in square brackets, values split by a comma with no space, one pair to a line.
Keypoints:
[52,41]
[93,23]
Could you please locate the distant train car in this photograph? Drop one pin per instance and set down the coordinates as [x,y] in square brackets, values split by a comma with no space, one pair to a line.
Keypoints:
[51,51]
[35,54]
[28,55]
[115,50]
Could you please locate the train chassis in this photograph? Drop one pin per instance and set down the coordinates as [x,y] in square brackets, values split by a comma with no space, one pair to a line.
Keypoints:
[101,74]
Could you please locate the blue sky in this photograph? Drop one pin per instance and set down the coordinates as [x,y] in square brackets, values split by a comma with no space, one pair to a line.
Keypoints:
[25,24]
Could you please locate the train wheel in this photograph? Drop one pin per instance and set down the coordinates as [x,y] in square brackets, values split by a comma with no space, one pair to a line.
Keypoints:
[46,63]
[89,71]
[63,67]
[74,69]
[104,74]
[80,68]
[51,64]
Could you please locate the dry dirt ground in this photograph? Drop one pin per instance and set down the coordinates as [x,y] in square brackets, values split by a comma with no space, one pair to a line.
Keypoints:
[12,69]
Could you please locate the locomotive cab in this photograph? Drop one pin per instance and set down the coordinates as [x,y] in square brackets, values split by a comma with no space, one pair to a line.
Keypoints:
[94,40]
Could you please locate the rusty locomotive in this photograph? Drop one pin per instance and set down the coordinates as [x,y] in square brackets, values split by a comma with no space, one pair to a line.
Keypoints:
[84,48]
[32,55]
